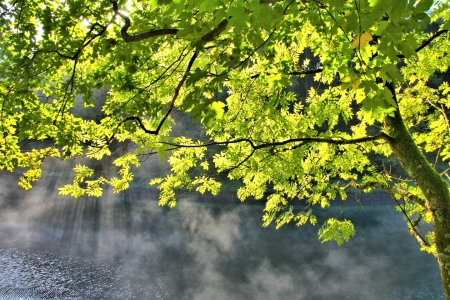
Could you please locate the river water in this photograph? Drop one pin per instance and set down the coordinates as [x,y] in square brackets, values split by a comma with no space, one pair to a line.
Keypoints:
[126,247]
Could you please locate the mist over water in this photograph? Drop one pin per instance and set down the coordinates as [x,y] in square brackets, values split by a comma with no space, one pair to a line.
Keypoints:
[123,246]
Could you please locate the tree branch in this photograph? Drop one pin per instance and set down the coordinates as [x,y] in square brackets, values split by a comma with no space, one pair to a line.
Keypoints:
[412,226]
[85,43]
[75,57]
[179,60]
[303,141]
[380,136]
[241,162]
[175,96]
[140,36]
[308,72]
[248,56]
[295,73]
[405,194]
[424,44]
[208,37]
[428,41]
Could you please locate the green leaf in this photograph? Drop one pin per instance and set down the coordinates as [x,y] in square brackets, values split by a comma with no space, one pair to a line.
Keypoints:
[209,5]
[209,119]
[268,93]
[423,5]
[446,25]
[335,230]
[196,76]
[409,46]
[217,108]
[398,7]
[388,97]
[393,72]
[235,11]
[153,4]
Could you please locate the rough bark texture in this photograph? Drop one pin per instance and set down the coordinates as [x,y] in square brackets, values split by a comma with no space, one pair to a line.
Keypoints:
[434,188]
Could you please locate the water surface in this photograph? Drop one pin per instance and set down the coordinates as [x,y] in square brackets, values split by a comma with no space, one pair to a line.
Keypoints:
[126,247]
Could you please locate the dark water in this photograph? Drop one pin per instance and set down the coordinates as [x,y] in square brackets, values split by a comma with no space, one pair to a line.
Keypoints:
[126,247]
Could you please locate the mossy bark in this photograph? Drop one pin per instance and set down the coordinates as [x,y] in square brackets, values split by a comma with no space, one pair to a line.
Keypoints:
[434,188]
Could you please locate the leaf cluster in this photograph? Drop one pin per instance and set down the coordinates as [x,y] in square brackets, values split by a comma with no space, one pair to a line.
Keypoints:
[236,68]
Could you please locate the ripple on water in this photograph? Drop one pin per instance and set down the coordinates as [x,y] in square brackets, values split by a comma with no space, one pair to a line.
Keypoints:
[45,275]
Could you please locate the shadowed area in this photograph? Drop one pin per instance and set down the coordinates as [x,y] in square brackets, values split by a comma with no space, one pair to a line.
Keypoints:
[123,246]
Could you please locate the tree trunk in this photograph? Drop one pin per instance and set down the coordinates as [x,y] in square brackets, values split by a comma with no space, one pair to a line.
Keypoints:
[434,188]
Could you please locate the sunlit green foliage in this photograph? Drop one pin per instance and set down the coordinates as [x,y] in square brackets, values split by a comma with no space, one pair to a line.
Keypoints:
[233,66]
[339,231]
